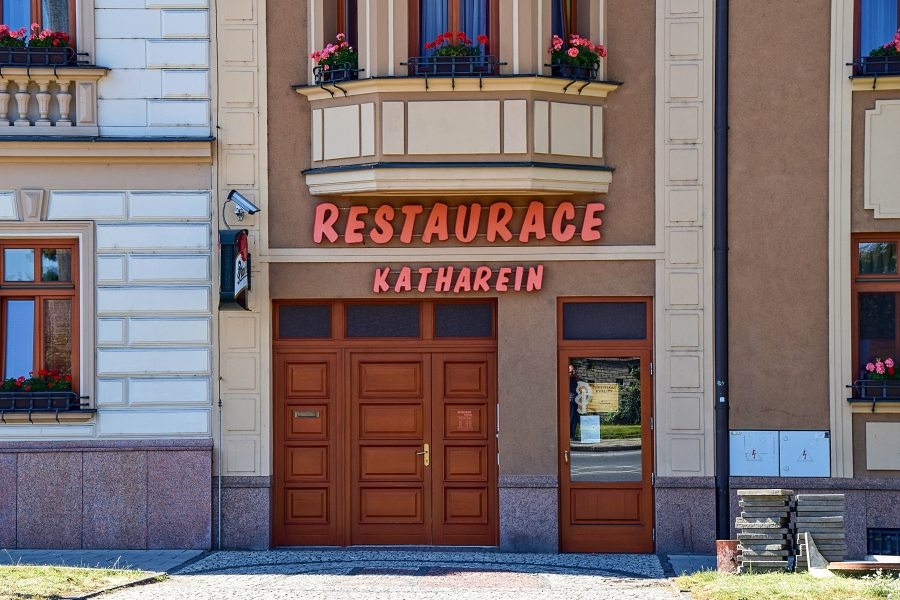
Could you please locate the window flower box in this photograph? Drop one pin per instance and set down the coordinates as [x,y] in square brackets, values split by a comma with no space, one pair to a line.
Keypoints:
[38,56]
[884,60]
[577,58]
[335,73]
[335,62]
[583,72]
[35,48]
[870,66]
[451,66]
[42,401]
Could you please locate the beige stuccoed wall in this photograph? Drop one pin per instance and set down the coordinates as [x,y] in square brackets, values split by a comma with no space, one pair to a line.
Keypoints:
[778,219]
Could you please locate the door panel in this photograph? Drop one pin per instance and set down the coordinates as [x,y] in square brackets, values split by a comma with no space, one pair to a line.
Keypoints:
[607,458]
[307,503]
[380,421]
[464,449]
[389,480]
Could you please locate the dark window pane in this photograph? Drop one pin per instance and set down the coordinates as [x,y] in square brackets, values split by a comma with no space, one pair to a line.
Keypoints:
[464,320]
[18,264]
[56,264]
[604,321]
[878,258]
[58,335]
[877,327]
[383,320]
[883,541]
[19,338]
[304,321]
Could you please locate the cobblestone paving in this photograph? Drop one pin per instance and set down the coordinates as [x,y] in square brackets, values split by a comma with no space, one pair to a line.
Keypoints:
[394,575]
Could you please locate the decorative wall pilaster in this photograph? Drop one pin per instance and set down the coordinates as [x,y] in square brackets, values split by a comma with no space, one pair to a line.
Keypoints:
[684,350]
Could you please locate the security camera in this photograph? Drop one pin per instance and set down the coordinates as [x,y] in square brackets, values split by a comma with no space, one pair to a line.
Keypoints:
[242,205]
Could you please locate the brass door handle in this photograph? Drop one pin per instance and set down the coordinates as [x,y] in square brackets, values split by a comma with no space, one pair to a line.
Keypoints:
[427,453]
[566,456]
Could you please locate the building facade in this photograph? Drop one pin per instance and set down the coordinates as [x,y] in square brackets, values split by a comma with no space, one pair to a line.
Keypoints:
[481,289]
[107,238]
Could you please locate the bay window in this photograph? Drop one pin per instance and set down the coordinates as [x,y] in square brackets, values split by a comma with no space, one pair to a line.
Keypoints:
[39,308]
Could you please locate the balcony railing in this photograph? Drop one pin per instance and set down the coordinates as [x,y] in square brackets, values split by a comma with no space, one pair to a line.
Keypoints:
[31,403]
[49,99]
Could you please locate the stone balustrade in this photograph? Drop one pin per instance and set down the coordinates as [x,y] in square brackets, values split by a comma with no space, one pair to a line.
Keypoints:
[49,100]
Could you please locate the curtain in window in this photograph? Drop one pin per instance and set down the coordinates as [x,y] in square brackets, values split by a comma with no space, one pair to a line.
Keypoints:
[433,21]
[55,15]
[878,23]
[19,350]
[561,13]
[17,13]
[473,18]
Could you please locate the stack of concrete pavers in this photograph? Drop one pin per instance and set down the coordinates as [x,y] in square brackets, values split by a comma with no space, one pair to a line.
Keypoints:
[763,530]
[822,517]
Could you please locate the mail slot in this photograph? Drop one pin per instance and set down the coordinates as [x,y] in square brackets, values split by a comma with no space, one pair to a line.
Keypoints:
[306,414]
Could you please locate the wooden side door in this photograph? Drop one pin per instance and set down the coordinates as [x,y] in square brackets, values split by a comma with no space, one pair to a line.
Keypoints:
[606,462]
[307,501]
[464,449]
[390,420]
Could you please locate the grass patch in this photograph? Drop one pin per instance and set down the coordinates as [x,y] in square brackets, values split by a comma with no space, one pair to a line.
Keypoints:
[26,582]
[619,432]
[710,585]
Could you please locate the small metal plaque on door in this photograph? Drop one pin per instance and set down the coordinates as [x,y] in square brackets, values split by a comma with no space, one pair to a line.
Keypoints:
[306,414]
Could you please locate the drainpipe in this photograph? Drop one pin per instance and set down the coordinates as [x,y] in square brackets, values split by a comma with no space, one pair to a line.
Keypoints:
[720,259]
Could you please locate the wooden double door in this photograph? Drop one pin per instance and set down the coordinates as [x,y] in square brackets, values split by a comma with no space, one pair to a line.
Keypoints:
[381,446]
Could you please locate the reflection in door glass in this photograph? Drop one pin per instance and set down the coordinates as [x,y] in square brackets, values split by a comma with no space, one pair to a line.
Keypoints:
[605,419]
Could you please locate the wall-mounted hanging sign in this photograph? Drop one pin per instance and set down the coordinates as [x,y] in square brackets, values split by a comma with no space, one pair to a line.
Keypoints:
[234,286]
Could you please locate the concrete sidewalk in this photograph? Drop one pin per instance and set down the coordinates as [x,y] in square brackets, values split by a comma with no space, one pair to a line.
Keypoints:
[156,561]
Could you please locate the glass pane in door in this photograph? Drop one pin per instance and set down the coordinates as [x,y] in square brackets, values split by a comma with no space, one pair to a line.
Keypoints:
[604,419]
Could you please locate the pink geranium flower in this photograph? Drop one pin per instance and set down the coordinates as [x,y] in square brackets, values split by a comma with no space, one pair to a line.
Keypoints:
[889,362]
[870,367]
[573,52]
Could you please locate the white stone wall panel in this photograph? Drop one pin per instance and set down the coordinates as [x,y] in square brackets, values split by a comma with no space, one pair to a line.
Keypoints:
[156,300]
[168,331]
[148,362]
[131,422]
[153,237]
